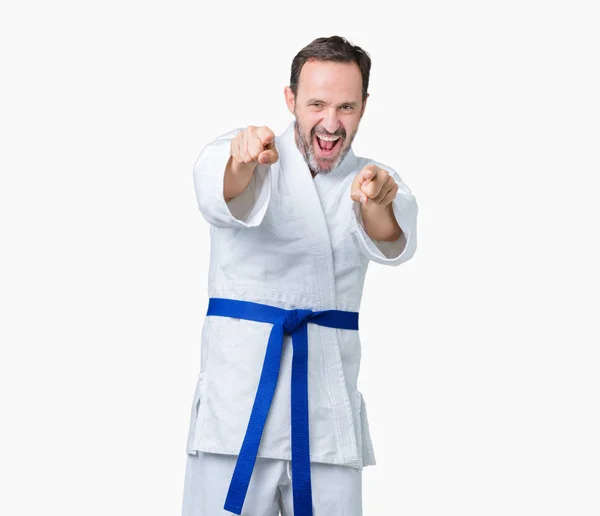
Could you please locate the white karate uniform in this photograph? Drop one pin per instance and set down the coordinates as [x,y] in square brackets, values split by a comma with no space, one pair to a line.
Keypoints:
[289,241]
[336,490]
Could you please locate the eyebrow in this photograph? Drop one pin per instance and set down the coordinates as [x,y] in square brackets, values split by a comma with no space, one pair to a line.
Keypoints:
[353,104]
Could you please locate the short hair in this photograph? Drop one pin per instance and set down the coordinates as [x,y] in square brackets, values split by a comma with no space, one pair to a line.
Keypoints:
[333,48]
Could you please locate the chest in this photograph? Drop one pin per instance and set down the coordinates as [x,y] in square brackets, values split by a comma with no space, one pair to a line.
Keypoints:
[304,252]
[317,208]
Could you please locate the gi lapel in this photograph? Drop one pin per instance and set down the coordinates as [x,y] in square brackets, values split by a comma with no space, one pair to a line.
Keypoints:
[295,178]
[293,173]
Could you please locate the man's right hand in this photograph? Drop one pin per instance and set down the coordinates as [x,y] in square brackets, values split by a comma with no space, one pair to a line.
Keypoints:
[250,147]
[254,145]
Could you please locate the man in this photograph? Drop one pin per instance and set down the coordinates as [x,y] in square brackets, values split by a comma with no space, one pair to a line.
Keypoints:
[277,422]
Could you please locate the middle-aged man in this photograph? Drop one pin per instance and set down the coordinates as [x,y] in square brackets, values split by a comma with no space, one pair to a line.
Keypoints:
[277,422]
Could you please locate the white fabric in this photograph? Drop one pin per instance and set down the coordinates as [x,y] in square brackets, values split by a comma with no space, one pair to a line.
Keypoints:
[294,242]
[336,490]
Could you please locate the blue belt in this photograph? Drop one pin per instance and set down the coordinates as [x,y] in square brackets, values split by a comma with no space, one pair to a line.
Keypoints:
[294,323]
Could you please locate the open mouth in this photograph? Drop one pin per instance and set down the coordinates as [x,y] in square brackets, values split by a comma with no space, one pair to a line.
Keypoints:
[327,146]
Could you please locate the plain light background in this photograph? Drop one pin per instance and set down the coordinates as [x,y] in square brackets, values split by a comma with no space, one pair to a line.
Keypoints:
[480,355]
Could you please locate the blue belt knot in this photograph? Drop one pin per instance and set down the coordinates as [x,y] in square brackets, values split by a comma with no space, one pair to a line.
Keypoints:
[294,319]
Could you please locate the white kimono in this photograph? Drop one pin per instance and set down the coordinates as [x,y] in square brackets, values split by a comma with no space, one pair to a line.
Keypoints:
[289,241]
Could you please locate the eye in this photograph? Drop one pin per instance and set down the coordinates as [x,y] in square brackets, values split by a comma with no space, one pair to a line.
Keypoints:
[347,107]
[317,104]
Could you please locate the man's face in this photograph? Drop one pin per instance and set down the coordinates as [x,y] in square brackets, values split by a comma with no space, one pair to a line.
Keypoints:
[329,104]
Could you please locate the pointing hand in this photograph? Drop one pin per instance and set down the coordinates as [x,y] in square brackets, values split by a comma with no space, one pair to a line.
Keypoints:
[373,185]
[255,145]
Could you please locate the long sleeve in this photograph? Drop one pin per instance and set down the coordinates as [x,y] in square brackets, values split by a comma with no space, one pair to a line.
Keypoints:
[246,209]
[405,211]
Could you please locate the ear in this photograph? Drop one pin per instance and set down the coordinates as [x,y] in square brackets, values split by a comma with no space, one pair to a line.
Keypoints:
[364,106]
[290,99]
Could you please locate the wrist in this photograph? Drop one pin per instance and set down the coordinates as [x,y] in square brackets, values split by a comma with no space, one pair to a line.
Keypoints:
[241,169]
[372,207]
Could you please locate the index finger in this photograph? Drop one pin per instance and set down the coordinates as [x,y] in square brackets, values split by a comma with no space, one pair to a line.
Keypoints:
[361,176]
[265,135]
[370,168]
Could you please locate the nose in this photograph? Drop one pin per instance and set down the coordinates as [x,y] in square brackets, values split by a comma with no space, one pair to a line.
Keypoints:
[331,122]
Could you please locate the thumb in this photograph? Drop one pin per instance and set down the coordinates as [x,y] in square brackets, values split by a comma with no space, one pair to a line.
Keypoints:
[357,195]
[268,157]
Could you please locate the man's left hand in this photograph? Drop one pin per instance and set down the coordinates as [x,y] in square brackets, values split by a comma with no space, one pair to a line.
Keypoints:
[373,185]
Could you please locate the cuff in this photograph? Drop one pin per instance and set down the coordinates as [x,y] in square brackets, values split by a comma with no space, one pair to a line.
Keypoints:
[246,209]
[405,211]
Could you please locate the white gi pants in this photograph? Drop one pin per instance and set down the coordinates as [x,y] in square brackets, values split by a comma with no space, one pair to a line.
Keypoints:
[336,490]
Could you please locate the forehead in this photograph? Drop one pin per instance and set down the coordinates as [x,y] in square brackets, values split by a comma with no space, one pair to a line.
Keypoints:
[330,80]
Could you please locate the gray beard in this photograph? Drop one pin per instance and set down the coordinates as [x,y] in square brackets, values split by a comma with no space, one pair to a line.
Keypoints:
[308,152]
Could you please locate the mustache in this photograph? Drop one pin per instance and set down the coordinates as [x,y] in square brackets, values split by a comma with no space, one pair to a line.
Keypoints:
[341,134]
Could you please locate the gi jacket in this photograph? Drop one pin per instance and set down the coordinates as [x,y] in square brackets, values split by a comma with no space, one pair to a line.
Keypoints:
[289,241]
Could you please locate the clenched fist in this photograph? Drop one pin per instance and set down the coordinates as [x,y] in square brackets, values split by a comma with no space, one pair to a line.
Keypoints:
[373,185]
[254,145]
